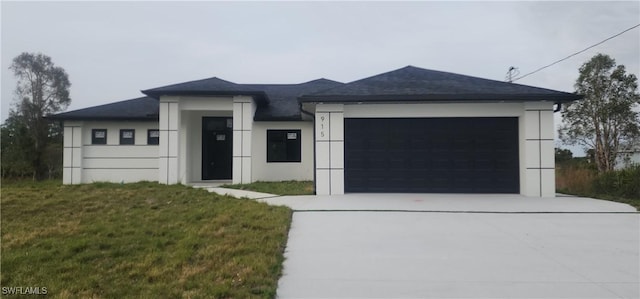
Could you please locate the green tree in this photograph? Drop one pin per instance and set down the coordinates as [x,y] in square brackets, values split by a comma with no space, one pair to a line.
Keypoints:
[42,89]
[15,148]
[605,119]
[563,155]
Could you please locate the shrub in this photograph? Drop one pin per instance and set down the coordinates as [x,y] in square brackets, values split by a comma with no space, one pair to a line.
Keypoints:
[621,183]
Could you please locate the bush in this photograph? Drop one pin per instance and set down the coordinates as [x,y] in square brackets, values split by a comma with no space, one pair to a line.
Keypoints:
[623,183]
[620,185]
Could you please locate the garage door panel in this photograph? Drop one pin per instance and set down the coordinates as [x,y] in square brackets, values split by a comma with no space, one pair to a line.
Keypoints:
[444,155]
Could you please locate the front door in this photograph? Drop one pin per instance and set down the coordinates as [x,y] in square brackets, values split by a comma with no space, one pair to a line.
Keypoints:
[217,148]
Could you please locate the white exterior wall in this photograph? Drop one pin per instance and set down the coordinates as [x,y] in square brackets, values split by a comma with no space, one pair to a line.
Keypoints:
[329,130]
[282,171]
[537,175]
[627,159]
[169,125]
[537,151]
[72,153]
[243,110]
[86,163]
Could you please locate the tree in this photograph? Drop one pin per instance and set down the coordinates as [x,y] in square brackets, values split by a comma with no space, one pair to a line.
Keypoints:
[42,89]
[15,148]
[563,155]
[604,120]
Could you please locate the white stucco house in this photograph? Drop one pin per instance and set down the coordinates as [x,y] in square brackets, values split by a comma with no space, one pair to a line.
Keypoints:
[627,158]
[407,130]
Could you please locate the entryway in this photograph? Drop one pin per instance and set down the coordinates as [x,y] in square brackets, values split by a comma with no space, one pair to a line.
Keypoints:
[217,148]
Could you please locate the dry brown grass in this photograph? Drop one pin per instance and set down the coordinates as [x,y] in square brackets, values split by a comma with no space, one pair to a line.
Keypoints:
[575,179]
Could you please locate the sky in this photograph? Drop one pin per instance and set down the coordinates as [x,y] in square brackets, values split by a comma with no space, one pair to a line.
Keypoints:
[112,50]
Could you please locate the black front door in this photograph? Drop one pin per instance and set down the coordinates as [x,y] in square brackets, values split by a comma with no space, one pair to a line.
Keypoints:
[217,148]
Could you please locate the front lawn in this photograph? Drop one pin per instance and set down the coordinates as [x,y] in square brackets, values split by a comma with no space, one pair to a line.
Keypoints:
[278,188]
[142,240]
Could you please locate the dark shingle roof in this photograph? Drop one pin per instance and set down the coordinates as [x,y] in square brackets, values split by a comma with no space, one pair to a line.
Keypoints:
[209,86]
[275,101]
[144,108]
[416,84]
[281,101]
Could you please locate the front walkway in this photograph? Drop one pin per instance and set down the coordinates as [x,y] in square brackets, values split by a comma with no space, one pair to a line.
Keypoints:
[504,246]
[234,192]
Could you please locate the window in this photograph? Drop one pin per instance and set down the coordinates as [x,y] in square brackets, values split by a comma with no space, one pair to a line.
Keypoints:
[283,145]
[127,136]
[99,136]
[153,137]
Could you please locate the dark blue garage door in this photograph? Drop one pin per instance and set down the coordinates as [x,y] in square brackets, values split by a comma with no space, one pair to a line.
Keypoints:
[432,155]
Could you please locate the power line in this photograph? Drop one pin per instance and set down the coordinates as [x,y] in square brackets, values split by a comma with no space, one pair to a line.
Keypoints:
[576,53]
[511,73]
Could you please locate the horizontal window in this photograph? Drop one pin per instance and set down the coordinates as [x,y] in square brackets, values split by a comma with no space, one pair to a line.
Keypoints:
[283,146]
[99,136]
[127,136]
[153,137]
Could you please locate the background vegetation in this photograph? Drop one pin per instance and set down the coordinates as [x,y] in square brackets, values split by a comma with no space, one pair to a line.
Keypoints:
[31,144]
[579,176]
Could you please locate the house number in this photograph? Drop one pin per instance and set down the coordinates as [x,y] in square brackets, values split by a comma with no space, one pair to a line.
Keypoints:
[322,121]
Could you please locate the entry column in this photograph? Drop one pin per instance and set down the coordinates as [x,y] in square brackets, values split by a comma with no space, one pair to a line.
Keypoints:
[243,111]
[329,133]
[72,153]
[539,174]
[169,145]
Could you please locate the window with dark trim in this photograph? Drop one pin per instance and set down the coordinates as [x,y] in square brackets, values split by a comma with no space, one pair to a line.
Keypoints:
[283,145]
[127,136]
[99,136]
[153,136]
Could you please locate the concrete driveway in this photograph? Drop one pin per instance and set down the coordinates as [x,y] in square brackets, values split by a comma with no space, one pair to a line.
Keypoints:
[460,246]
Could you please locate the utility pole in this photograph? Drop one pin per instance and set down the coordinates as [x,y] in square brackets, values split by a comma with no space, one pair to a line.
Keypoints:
[512,73]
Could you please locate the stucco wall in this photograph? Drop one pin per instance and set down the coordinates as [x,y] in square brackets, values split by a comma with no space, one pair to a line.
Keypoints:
[111,162]
[282,171]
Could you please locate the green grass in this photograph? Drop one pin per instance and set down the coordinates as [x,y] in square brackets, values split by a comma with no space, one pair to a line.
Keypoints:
[141,240]
[278,188]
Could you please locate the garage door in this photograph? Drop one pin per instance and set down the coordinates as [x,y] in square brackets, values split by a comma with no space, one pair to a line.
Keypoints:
[432,155]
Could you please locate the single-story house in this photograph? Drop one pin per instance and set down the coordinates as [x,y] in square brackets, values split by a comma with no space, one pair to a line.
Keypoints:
[407,130]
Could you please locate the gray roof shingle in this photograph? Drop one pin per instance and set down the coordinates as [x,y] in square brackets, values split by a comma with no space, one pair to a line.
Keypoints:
[275,101]
[209,86]
[416,84]
[144,108]
[280,102]
[283,99]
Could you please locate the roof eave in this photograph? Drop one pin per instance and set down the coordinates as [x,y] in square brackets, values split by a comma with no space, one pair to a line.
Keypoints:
[560,98]
[260,96]
[105,118]
[277,118]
